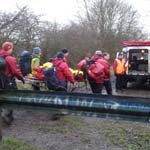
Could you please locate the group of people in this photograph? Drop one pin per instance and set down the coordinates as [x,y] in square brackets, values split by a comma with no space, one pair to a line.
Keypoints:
[96,69]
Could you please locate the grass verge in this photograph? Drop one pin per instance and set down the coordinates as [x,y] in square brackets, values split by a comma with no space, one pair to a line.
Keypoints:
[129,136]
[14,144]
[64,125]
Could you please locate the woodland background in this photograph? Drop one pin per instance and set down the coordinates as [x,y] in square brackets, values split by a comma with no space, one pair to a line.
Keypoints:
[101,25]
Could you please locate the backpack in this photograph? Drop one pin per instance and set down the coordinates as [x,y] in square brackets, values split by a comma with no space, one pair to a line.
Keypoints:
[2,62]
[94,69]
[51,77]
[25,62]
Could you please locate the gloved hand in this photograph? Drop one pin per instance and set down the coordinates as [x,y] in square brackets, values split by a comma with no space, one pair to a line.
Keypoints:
[23,81]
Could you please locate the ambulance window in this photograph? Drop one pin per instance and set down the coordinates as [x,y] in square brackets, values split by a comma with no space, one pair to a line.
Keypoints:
[140,54]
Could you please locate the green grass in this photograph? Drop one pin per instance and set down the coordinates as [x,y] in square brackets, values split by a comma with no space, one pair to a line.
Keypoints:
[128,136]
[65,125]
[14,144]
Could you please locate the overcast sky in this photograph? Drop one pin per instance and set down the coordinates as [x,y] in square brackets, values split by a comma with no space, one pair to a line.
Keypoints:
[64,10]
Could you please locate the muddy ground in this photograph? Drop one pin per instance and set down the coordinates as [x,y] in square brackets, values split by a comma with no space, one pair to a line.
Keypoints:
[81,133]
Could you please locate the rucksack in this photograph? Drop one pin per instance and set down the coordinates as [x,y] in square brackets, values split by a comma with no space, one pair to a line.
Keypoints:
[25,62]
[94,69]
[2,62]
[51,77]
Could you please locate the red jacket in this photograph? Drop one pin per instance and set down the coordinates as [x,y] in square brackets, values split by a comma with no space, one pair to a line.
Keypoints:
[96,71]
[98,77]
[63,70]
[82,64]
[105,63]
[11,69]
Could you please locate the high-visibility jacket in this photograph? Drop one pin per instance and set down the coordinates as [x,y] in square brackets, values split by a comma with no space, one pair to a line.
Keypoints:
[120,66]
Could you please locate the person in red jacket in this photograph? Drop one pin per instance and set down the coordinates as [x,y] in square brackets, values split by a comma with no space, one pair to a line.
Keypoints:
[82,66]
[63,72]
[11,69]
[107,81]
[94,71]
[98,85]
[7,76]
[103,58]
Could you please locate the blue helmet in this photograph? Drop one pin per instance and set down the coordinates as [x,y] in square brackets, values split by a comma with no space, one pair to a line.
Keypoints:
[37,50]
[60,55]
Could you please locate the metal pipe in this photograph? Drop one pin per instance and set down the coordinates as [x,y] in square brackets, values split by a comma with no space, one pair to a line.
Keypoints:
[118,107]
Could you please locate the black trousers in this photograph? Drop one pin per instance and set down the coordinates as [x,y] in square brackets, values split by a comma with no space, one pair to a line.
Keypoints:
[7,83]
[36,87]
[119,81]
[108,87]
[96,87]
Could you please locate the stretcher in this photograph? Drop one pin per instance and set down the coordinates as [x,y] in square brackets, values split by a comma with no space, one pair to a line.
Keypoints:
[33,83]
[33,80]
[36,84]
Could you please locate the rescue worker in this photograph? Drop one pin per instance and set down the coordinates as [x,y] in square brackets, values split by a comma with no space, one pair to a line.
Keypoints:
[107,81]
[63,72]
[119,70]
[81,66]
[36,55]
[95,72]
[98,58]
[7,76]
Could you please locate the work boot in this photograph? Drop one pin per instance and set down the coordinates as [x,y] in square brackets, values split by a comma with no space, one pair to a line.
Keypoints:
[7,116]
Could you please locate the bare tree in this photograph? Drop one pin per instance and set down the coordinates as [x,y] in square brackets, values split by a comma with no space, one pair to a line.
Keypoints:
[104,25]
[111,21]
[6,20]
[27,33]
[8,24]
[21,27]
[50,39]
